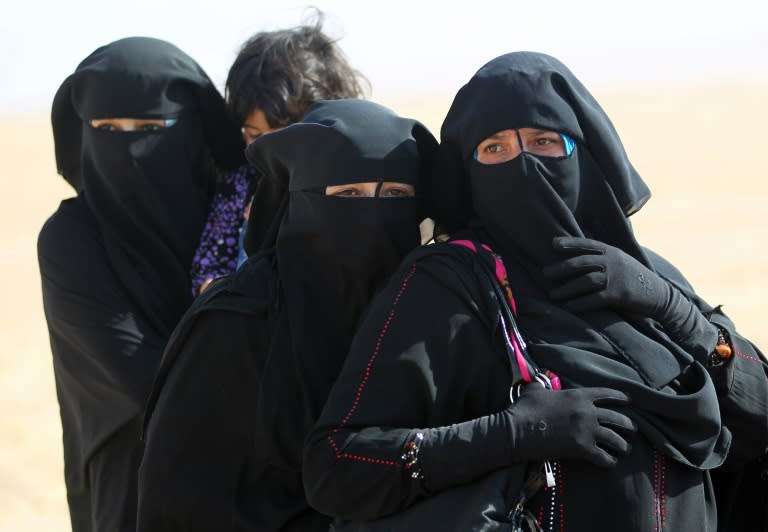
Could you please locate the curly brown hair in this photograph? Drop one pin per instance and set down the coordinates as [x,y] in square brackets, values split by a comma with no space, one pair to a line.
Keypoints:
[283,72]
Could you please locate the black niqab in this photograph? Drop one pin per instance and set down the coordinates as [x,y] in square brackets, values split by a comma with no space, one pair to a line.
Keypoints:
[277,331]
[114,260]
[522,204]
[333,253]
[148,190]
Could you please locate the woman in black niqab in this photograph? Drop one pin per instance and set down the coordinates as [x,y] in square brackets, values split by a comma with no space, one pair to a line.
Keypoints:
[246,372]
[595,308]
[114,259]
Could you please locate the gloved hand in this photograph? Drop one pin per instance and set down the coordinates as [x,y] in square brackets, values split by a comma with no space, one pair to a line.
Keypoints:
[579,424]
[575,424]
[594,275]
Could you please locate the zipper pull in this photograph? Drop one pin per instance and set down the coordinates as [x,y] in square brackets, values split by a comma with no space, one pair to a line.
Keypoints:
[549,474]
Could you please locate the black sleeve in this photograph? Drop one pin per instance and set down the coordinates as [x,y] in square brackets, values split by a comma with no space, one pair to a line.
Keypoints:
[199,431]
[417,361]
[108,349]
[742,385]
[105,354]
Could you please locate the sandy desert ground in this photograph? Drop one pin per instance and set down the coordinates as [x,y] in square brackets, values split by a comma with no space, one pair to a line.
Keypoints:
[701,149]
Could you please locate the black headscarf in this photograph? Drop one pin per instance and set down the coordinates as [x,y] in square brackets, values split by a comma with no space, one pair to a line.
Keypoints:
[522,204]
[115,259]
[288,315]
[149,191]
[333,253]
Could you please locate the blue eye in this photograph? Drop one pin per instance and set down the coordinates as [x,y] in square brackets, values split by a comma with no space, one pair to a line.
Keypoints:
[170,122]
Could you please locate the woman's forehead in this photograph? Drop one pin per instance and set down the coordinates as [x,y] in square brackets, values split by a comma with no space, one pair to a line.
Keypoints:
[512,132]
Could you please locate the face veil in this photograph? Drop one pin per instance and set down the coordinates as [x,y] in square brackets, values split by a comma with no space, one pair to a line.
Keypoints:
[521,205]
[333,253]
[148,190]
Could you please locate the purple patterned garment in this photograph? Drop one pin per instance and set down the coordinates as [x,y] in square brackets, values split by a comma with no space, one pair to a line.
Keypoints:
[216,255]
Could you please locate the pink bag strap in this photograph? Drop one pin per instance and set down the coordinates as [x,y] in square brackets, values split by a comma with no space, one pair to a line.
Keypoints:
[527,368]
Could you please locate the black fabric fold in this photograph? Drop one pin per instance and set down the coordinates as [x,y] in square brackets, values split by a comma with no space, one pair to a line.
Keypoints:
[288,315]
[521,205]
[114,259]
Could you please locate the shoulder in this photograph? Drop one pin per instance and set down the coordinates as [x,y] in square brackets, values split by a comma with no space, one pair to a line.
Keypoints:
[69,245]
[68,225]
[441,276]
[242,301]
[439,257]
[251,289]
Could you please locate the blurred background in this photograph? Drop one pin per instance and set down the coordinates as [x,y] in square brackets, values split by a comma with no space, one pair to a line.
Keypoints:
[685,82]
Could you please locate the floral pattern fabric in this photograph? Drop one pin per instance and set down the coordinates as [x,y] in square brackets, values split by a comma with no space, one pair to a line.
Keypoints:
[217,253]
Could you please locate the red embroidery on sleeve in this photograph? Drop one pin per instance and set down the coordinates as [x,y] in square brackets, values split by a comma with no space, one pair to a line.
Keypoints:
[366,376]
[748,357]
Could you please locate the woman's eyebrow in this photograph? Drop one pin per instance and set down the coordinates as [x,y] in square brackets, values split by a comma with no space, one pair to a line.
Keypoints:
[537,131]
[503,134]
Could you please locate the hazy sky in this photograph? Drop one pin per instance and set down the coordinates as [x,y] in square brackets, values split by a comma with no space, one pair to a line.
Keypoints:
[401,45]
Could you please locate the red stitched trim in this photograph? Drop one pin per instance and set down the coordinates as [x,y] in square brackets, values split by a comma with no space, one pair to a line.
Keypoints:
[361,387]
[561,488]
[562,517]
[655,483]
[747,357]
[663,498]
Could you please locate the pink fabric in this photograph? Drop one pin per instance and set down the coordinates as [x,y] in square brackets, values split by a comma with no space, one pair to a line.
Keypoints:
[501,275]
[521,363]
[501,270]
[465,243]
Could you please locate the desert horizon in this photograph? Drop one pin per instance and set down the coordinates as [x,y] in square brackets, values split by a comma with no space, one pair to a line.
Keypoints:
[699,147]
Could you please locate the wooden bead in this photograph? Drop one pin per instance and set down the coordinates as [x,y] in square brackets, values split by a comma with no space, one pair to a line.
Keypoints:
[724,350]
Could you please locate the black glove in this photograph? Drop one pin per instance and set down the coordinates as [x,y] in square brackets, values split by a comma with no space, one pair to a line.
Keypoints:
[576,424]
[541,425]
[595,275]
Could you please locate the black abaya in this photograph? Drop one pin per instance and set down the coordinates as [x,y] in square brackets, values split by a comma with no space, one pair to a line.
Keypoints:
[247,370]
[114,259]
[690,419]
[430,354]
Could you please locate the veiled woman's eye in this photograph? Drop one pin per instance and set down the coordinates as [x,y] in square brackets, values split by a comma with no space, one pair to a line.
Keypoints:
[131,124]
[500,147]
[396,190]
[542,142]
[346,192]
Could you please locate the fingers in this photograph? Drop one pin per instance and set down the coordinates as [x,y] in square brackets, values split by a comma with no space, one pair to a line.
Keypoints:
[611,436]
[578,245]
[612,442]
[616,421]
[607,396]
[609,447]
[585,284]
[600,457]
[573,266]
